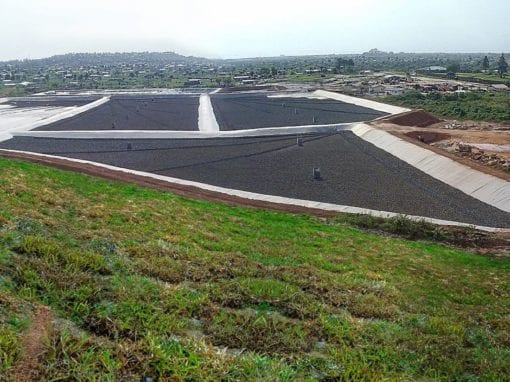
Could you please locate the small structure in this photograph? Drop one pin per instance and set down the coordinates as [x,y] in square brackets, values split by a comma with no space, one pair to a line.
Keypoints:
[317,173]
[434,68]
[193,82]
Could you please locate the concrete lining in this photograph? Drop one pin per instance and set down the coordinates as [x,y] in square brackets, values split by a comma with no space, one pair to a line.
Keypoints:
[206,117]
[484,187]
[266,198]
[362,102]
[171,134]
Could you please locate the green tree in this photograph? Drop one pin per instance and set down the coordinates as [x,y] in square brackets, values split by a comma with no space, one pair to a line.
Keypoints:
[502,66]
[452,69]
[485,63]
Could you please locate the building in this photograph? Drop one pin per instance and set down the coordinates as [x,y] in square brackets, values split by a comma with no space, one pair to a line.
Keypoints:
[193,82]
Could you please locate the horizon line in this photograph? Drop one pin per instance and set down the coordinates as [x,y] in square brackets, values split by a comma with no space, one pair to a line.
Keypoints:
[253,57]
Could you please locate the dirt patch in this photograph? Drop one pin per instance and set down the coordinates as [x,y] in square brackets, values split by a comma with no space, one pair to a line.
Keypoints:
[428,136]
[416,118]
[471,151]
[465,160]
[32,346]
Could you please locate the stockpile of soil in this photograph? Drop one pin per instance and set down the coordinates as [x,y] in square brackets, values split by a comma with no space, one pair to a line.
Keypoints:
[415,118]
[428,136]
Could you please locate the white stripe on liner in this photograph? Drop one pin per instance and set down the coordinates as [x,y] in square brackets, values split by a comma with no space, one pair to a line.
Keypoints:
[206,117]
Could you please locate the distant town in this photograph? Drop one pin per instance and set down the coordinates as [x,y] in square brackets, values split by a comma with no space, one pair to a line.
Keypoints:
[374,72]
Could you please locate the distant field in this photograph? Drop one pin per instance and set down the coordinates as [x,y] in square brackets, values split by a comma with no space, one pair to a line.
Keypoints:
[467,106]
[493,78]
[144,283]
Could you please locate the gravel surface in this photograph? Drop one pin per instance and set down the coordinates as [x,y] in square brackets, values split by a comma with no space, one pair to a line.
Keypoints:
[354,172]
[241,111]
[136,113]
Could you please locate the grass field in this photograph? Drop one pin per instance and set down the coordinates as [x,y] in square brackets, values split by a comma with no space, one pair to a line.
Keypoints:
[468,106]
[145,283]
[493,78]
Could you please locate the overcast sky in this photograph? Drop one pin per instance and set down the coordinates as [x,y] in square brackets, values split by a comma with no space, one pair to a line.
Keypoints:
[237,28]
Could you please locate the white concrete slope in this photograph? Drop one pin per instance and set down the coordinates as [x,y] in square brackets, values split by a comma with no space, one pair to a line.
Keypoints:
[268,198]
[36,117]
[206,117]
[385,108]
[487,188]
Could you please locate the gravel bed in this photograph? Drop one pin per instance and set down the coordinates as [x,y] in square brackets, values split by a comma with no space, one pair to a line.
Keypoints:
[241,111]
[355,173]
[135,113]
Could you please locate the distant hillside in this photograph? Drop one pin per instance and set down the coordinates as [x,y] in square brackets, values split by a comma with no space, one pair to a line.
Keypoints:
[104,59]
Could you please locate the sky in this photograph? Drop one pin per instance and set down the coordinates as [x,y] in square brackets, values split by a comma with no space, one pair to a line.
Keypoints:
[237,28]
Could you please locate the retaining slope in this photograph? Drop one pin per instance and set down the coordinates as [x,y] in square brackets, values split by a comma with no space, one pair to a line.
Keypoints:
[486,188]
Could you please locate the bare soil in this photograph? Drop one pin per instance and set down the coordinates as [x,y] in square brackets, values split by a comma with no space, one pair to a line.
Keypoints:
[428,136]
[446,141]
[415,118]
[32,346]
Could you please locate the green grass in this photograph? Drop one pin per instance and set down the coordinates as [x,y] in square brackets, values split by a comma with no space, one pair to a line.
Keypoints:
[468,106]
[493,78]
[13,91]
[145,283]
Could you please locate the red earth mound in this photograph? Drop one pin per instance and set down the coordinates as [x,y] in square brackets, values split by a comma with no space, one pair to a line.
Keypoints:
[415,118]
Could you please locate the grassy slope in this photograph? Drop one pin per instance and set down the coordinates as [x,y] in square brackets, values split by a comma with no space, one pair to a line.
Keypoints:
[147,283]
[469,106]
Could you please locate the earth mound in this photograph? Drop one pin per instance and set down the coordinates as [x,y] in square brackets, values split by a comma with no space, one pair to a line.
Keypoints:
[415,118]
